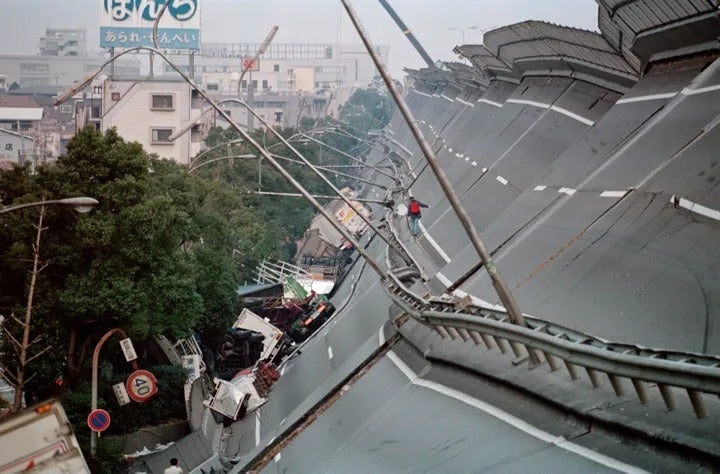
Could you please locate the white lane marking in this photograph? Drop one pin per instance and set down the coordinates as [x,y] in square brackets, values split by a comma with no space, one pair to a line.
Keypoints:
[474,163]
[529,102]
[613,194]
[700,90]
[422,93]
[467,158]
[330,354]
[555,108]
[568,191]
[450,150]
[572,115]
[457,155]
[512,420]
[447,98]
[443,279]
[697,208]
[257,428]
[490,102]
[540,188]
[643,98]
[502,180]
[277,458]
[381,336]
[283,421]
[484,170]
[464,102]
[400,364]
[432,242]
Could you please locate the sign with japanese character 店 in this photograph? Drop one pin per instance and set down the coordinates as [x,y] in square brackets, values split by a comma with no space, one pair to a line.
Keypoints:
[129,23]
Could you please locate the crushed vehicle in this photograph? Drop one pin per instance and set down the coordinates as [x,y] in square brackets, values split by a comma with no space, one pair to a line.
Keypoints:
[40,439]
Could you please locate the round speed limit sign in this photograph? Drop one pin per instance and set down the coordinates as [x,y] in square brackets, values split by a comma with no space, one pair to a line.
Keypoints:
[141,385]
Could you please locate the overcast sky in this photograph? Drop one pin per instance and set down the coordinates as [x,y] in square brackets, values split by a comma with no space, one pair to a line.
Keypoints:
[22,22]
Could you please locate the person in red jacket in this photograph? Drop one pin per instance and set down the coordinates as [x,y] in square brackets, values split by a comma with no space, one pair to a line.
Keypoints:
[415,214]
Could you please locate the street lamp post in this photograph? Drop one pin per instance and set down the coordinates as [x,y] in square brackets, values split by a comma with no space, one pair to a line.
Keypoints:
[246,136]
[80,204]
[315,169]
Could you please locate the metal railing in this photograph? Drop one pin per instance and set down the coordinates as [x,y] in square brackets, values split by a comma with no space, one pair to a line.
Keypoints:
[555,346]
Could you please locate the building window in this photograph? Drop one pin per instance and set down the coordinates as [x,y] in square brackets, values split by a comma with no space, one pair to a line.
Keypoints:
[265,84]
[160,136]
[66,109]
[244,84]
[276,68]
[278,117]
[162,102]
[213,87]
[34,67]
[254,85]
[115,96]
[95,112]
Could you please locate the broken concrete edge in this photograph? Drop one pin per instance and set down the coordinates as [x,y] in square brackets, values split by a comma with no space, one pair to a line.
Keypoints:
[259,456]
[425,340]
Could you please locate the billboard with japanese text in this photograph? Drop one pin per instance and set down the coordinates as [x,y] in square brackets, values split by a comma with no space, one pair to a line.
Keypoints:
[129,23]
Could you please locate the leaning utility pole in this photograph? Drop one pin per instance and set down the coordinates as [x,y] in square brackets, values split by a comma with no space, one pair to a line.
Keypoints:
[501,288]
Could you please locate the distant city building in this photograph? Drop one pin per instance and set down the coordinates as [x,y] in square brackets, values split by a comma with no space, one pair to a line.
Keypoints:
[19,113]
[60,71]
[59,42]
[284,67]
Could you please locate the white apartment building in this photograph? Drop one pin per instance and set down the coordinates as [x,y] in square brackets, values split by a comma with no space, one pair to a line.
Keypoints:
[149,111]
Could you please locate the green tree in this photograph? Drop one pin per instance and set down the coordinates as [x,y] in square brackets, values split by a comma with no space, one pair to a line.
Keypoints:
[154,257]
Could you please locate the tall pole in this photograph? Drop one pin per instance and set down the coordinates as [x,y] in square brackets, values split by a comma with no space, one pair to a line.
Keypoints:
[94,393]
[316,170]
[250,102]
[498,282]
[320,175]
[406,31]
[246,136]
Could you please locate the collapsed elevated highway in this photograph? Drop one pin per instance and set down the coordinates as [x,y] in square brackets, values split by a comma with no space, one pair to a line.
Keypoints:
[589,163]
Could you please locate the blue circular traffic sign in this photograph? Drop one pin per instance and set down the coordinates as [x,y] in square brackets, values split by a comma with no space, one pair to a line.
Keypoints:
[98,420]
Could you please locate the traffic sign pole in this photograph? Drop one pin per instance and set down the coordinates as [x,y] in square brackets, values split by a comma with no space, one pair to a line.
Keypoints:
[98,420]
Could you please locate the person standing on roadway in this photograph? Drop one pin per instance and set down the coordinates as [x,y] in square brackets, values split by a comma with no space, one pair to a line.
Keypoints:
[415,214]
[174,467]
